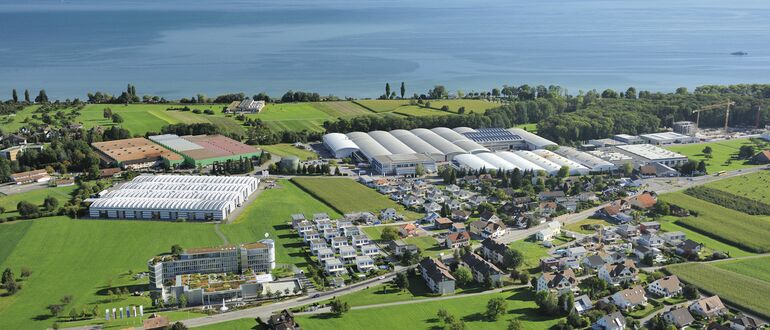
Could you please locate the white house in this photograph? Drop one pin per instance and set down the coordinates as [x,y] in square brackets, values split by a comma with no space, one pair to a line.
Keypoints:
[388,214]
[618,273]
[666,287]
[613,321]
[334,266]
[437,276]
[708,307]
[370,250]
[553,228]
[630,298]
[558,282]
[339,242]
[347,252]
[325,253]
[364,263]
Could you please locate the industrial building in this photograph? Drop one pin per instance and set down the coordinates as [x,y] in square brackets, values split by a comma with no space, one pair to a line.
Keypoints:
[135,153]
[600,143]
[574,167]
[593,163]
[628,139]
[685,127]
[533,141]
[647,153]
[459,140]
[245,106]
[204,150]
[519,161]
[612,156]
[402,164]
[258,257]
[471,162]
[667,138]
[174,197]
[339,145]
[494,138]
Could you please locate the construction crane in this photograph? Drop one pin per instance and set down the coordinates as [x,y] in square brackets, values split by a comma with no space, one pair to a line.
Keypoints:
[725,105]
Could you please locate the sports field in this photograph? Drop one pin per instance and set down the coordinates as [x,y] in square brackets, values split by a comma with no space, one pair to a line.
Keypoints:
[733,287]
[520,304]
[84,258]
[752,186]
[729,226]
[724,154]
[63,194]
[270,213]
[285,149]
[346,196]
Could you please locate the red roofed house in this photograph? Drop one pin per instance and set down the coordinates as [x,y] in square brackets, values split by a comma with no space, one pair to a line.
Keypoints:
[407,230]
[644,201]
[456,240]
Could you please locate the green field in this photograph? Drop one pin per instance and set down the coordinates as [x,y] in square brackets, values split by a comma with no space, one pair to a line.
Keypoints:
[732,287]
[13,123]
[529,127]
[428,245]
[577,226]
[752,186]
[82,258]
[669,224]
[293,117]
[270,213]
[736,228]
[63,194]
[382,105]
[375,232]
[423,315]
[415,111]
[286,149]
[341,109]
[346,196]
[758,268]
[376,295]
[475,106]
[723,153]
[532,252]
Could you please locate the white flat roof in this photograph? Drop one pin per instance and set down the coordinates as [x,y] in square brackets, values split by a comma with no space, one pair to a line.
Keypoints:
[650,152]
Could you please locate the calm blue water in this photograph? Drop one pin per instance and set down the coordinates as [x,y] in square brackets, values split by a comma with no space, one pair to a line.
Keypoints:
[351,48]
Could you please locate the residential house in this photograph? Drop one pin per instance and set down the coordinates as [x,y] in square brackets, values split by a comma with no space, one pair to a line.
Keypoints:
[489,216]
[407,230]
[351,231]
[436,197]
[457,228]
[317,244]
[649,227]
[325,253]
[334,266]
[413,201]
[587,196]
[630,298]
[650,240]
[477,227]
[550,195]
[743,322]
[452,188]
[627,231]
[455,204]
[553,228]
[460,215]
[323,224]
[679,317]
[431,207]
[330,233]
[674,237]
[666,287]
[616,211]
[708,307]
[493,251]
[370,250]
[457,240]
[339,242]
[549,264]
[360,240]
[430,217]
[482,269]
[547,208]
[398,247]
[437,276]
[576,252]
[594,262]
[619,273]
[493,230]
[642,251]
[311,235]
[347,253]
[463,195]
[304,226]
[612,321]
[364,263]
[296,219]
[559,282]
[320,216]
[388,214]
[477,200]
[442,223]
[583,304]
[644,201]
[688,248]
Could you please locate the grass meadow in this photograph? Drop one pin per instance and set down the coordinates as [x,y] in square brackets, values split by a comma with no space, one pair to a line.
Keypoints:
[346,196]
[532,252]
[669,224]
[724,154]
[752,186]
[286,149]
[63,194]
[723,224]
[758,268]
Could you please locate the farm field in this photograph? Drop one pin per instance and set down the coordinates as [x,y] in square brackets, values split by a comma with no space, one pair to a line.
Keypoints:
[293,117]
[532,252]
[758,268]
[752,186]
[723,154]
[423,315]
[732,287]
[10,235]
[341,109]
[476,106]
[270,213]
[668,223]
[415,111]
[382,105]
[12,123]
[91,257]
[346,196]
[63,194]
[286,149]
[733,227]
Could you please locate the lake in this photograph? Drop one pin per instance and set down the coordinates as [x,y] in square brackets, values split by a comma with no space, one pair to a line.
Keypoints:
[351,48]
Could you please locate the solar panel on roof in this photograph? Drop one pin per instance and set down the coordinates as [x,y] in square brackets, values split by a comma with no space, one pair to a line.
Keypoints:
[492,135]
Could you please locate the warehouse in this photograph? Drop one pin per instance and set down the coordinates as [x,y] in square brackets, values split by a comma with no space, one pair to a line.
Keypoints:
[547,165]
[594,164]
[519,161]
[495,138]
[646,153]
[574,167]
[135,153]
[339,145]
[390,142]
[612,156]
[496,161]
[417,144]
[402,164]
[459,140]
[471,162]
[533,141]
[174,197]
[667,138]
[628,139]
[368,147]
[206,150]
[449,149]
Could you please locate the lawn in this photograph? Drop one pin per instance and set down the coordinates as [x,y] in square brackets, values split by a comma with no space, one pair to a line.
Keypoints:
[85,258]
[270,213]
[423,315]
[382,105]
[11,234]
[293,117]
[476,106]
[732,287]
[669,224]
[346,196]
[375,232]
[532,252]
[733,227]
[12,123]
[415,111]
[578,226]
[286,149]
[388,293]
[724,154]
[63,194]
[528,127]
[341,109]
[428,245]
[758,268]
[753,186]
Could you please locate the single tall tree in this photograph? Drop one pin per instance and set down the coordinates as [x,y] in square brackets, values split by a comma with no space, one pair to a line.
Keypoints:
[387,90]
[15,96]
[403,89]
[26,96]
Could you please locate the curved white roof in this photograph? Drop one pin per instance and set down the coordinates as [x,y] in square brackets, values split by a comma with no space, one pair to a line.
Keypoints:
[170,194]
[588,160]
[417,144]
[495,160]
[463,130]
[574,167]
[165,178]
[390,142]
[471,146]
[179,205]
[472,161]
[519,161]
[368,146]
[438,142]
[337,143]
[532,139]
[547,165]
[460,140]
